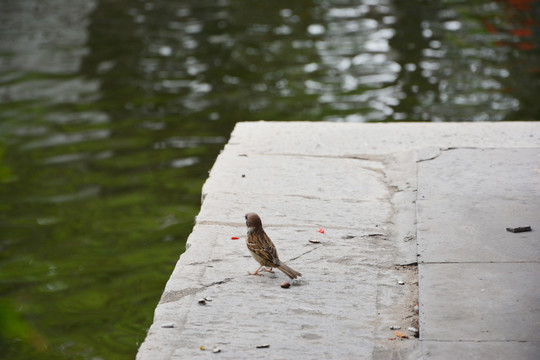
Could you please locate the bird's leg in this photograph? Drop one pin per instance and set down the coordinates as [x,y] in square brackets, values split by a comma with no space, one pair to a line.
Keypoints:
[269,270]
[256,272]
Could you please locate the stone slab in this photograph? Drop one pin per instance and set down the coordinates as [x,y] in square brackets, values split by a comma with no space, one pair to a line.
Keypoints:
[480,302]
[468,197]
[478,287]
[503,350]
[345,179]
[352,139]
[292,211]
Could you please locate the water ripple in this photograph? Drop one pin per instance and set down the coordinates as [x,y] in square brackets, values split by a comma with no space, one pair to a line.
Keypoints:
[65,139]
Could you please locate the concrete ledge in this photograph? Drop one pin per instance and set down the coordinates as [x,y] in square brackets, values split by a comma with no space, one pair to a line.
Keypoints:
[359,182]
[353,139]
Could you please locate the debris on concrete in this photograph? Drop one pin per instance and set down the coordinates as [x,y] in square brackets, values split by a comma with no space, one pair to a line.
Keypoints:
[401,335]
[519,229]
[414,330]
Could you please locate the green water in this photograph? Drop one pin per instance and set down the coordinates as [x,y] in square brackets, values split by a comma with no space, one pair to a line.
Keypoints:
[113,111]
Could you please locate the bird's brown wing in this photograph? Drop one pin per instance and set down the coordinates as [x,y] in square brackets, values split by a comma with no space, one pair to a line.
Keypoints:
[261,245]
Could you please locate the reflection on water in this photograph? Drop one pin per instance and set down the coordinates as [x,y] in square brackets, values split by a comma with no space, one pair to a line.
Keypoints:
[112,112]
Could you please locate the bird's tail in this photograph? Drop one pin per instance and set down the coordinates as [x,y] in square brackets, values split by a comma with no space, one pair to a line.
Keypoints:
[293,274]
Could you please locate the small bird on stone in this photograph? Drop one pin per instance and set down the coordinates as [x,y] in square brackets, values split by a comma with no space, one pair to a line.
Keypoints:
[263,249]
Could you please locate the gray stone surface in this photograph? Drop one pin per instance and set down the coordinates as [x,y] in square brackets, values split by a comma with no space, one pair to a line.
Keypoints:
[247,311]
[343,179]
[480,302]
[479,292]
[468,197]
[359,182]
[480,350]
[353,139]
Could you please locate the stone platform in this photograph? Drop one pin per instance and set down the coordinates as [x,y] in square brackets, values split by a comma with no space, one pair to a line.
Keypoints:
[413,213]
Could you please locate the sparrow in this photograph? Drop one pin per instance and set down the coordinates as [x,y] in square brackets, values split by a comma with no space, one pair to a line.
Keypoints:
[263,249]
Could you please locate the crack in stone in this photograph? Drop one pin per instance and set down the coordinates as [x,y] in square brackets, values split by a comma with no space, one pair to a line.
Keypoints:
[432,157]
[224,281]
[442,150]
[376,158]
[305,253]
[172,296]
[204,262]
